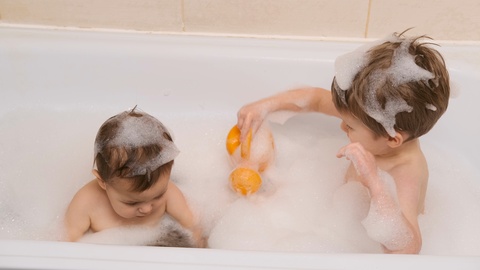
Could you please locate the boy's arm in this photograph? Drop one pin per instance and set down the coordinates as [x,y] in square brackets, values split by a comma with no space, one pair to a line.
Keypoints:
[392,218]
[409,199]
[77,220]
[307,99]
[178,208]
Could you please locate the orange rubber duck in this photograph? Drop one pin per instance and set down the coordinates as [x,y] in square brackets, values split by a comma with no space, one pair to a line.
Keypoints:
[249,159]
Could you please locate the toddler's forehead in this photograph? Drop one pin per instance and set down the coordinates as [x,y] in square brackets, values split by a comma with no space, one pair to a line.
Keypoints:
[126,187]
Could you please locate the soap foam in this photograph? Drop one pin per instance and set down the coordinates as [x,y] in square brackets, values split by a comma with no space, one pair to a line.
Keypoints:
[348,65]
[386,115]
[167,233]
[139,131]
[404,69]
[302,206]
[384,222]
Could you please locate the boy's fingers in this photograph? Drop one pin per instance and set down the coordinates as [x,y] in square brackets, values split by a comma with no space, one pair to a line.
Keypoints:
[255,126]
[240,119]
[249,123]
[240,123]
[341,152]
[244,128]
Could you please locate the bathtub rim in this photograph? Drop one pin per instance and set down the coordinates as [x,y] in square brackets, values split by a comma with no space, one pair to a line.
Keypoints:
[31,254]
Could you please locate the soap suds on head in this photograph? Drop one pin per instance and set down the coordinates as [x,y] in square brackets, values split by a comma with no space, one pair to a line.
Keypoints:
[402,70]
[393,105]
[431,107]
[138,129]
[348,65]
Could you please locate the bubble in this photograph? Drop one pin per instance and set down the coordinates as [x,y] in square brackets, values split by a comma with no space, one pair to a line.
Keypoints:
[302,206]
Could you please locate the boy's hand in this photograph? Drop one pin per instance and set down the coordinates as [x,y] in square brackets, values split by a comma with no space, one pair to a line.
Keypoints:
[250,116]
[363,161]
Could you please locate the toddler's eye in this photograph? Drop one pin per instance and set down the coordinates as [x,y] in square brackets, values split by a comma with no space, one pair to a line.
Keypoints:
[158,197]
[131,203]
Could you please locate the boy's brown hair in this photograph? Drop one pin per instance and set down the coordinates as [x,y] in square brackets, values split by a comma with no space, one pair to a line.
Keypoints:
[121,161]
[428,98]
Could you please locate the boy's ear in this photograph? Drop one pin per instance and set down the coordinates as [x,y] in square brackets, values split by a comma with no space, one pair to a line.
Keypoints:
[100,181]
[397,140]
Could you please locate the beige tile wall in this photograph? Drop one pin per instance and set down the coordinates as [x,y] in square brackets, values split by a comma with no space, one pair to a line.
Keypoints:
[441,19]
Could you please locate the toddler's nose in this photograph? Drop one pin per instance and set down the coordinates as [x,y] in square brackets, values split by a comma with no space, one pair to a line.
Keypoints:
[145,209]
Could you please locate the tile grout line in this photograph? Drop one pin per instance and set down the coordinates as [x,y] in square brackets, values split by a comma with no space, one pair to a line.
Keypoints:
[365,34]
[182,14]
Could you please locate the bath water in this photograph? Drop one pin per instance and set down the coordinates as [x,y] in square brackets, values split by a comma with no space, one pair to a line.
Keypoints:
[46,155]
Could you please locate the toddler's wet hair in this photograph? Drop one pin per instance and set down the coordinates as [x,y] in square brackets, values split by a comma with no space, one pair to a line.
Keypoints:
[134,145]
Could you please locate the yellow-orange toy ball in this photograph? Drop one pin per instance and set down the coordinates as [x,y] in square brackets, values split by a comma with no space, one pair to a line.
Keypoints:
[245,180]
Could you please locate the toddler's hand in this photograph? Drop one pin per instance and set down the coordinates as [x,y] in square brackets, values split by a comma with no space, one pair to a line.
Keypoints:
[202,243]
[363,161]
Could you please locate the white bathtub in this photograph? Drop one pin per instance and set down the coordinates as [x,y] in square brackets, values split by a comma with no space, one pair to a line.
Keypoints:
[93,71]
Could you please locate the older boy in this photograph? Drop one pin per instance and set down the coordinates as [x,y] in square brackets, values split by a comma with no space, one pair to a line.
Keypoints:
[387,94]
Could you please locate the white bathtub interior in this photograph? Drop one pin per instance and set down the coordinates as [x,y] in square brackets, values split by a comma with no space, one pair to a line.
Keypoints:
[58,86]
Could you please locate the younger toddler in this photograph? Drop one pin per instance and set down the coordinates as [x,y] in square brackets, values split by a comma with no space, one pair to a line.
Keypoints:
[134,155]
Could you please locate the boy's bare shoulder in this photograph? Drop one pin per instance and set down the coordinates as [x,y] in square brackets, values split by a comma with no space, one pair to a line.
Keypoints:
[411,177]
[413,163]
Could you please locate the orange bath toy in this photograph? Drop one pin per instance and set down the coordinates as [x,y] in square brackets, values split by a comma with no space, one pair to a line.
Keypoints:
[245,180]
[249,159]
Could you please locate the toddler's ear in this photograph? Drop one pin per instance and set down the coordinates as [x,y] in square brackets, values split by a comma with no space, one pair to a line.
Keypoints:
[397,140]
[100,181]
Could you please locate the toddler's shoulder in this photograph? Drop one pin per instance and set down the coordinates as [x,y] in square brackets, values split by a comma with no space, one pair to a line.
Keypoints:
[90,195]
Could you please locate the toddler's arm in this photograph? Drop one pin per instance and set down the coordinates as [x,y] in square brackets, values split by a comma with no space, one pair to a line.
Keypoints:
[77,220]
[178,208]
[309,99]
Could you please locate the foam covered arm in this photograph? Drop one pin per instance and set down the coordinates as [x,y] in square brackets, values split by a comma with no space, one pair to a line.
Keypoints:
[385,222]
